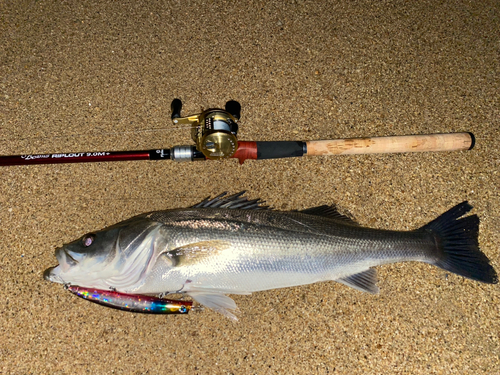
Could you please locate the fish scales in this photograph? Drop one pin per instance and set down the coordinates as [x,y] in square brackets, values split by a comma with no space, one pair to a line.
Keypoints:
[311,240]
[209,251]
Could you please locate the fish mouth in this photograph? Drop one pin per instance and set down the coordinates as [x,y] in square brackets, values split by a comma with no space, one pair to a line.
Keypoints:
[64,256]
[66,261]
[52,274]
[69,258]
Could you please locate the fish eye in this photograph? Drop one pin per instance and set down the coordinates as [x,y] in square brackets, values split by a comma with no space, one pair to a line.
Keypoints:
[88,239]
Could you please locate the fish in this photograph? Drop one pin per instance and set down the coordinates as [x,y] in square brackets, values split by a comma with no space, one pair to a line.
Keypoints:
[131,302]
[232,245]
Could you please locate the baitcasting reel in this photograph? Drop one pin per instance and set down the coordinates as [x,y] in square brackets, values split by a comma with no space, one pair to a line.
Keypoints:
[213,131]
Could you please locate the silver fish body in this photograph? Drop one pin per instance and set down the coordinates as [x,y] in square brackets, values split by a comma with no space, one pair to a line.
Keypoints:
[208,251]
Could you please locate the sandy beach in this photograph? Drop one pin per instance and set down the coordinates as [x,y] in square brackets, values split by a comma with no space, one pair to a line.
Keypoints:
[100,76]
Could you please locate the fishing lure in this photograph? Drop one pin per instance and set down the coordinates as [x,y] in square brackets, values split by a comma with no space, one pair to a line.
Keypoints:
[131,302]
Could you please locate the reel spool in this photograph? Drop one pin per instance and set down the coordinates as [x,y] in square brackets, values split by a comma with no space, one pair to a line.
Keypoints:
[214,132]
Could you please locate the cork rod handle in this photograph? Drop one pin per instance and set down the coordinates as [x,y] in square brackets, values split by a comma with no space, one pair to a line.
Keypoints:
[393,144]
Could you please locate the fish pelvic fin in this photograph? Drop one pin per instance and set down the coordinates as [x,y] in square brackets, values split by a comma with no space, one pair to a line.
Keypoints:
[216,301]
[458,247]
[364,281]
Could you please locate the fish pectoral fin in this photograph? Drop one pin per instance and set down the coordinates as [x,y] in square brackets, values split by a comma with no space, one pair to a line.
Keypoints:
[194,252]
[363,281]
[217,302]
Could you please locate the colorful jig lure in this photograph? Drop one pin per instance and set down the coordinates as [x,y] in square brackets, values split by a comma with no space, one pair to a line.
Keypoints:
[131,302]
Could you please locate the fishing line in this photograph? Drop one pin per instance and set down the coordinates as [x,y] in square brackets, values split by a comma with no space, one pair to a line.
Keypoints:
[95,133]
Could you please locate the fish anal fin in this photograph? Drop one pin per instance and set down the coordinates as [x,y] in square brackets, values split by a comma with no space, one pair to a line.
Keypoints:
[330,212]
[216,301]
[195,252]
[363,281]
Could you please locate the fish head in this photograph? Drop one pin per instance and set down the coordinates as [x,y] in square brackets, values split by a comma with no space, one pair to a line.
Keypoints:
[113,257]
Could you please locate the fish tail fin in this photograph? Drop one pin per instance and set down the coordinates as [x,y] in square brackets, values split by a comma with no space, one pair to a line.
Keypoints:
[458,247]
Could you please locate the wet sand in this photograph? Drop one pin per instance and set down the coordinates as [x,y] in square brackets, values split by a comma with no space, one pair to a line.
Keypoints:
[97,76]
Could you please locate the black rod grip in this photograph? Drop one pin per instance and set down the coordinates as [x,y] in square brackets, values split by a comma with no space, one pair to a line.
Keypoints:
[280,149]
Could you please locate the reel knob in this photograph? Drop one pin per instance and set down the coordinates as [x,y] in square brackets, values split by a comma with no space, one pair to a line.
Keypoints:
[234,108]
[176,108]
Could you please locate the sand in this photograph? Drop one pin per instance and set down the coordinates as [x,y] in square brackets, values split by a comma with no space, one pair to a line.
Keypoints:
[98,76]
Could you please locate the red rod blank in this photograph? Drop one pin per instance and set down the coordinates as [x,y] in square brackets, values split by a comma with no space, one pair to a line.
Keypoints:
[74,157]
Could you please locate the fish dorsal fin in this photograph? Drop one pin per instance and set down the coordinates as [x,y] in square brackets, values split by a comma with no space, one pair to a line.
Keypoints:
[330,212]
[231,201]
[363,281]
[195,252]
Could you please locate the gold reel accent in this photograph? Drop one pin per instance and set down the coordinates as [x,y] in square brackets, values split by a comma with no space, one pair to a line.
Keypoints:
[214,132]
[218,145]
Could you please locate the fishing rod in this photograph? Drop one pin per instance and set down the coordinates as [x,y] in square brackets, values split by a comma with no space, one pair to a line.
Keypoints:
[214,132]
